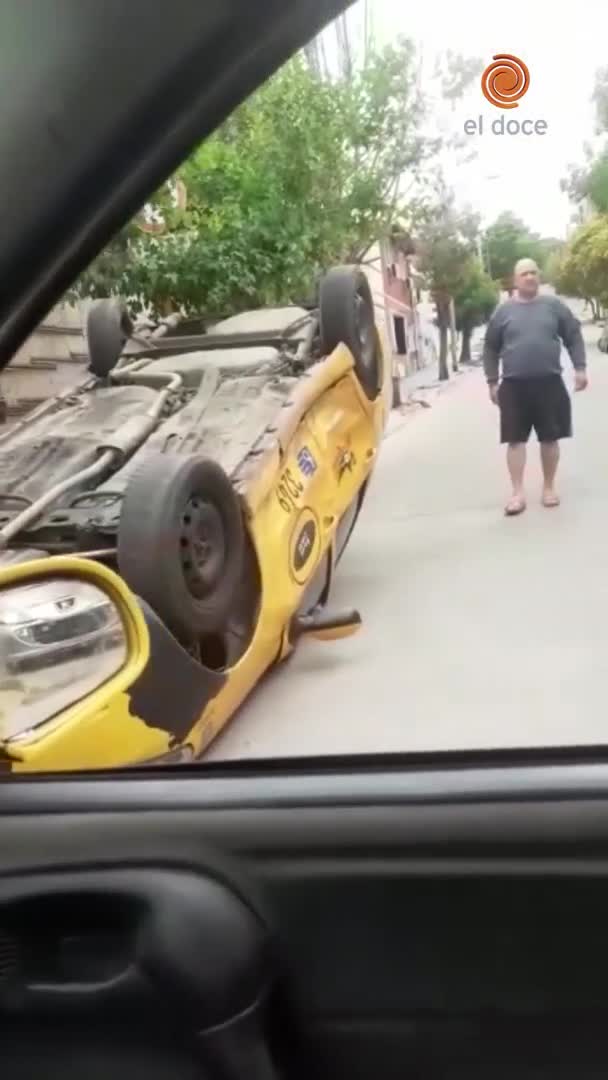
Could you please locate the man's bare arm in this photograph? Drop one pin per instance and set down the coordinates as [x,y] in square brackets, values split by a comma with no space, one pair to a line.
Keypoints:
[571,335]
[491,350]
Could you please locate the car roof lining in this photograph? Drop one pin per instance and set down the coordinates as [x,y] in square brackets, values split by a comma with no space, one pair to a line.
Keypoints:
[76,166]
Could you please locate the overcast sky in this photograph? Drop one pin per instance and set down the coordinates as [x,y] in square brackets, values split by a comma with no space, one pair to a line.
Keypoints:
[562,52]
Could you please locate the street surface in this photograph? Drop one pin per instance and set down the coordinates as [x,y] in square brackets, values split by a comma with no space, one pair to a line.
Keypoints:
[479,631]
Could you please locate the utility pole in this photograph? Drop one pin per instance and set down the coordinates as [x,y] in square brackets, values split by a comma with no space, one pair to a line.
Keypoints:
[367,32]
[344,50]
[311,52]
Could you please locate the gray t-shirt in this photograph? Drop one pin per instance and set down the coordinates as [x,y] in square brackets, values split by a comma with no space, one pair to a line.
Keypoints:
[525,336]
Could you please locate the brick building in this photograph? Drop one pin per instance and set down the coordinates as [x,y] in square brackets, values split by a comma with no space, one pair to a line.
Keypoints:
[406,328]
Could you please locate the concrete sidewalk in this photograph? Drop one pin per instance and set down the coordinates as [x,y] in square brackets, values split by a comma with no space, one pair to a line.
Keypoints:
[421,388]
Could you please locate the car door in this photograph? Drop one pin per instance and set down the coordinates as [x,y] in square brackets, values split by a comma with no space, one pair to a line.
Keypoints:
[444,917]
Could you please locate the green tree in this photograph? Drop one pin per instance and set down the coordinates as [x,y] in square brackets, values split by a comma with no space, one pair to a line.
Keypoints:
[306,173]
[447,250]
[583,269]
[589,182]
[474,300]
[507,240]
[553,264]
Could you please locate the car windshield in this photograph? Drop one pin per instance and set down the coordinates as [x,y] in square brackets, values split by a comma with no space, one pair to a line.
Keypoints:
[309,460]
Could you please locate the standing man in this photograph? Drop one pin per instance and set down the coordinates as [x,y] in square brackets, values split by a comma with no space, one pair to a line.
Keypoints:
[525,334]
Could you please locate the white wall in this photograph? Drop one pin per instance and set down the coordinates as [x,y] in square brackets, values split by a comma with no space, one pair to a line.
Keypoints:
[51,359]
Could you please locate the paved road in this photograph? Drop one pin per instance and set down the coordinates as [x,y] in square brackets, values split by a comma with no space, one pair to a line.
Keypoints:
[479,631]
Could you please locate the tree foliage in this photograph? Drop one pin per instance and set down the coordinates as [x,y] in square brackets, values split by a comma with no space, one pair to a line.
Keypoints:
[583,267]
[447,247]
[474,300]
[553,264]
[476,297]
[507,240]
[306,173]
[589,182]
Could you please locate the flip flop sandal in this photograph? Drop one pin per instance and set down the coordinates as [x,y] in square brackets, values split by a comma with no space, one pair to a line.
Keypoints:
[551,502]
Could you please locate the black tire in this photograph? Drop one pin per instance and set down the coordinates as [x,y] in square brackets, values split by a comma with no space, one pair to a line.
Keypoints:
[108,329]
[346,313]
[181,542]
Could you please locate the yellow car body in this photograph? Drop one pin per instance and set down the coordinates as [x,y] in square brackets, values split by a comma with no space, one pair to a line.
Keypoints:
[300,497]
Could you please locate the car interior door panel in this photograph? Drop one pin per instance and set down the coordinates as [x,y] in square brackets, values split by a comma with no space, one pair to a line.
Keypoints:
[241,923]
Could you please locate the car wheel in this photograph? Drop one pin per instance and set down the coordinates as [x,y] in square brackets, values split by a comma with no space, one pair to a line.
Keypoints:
[108,329]
[347,315]
[181,542]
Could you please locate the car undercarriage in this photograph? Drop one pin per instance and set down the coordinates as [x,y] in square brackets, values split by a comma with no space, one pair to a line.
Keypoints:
[146,462]
[66,466]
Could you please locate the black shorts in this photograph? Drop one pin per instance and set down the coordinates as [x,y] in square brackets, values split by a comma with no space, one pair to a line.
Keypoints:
[541,402]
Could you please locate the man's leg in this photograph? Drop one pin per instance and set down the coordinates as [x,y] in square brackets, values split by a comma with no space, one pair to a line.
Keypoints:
[515,427]
[516,464]
[553,421]
[549,456]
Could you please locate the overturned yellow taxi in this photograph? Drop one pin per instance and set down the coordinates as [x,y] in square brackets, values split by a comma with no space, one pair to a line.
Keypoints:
[196,501]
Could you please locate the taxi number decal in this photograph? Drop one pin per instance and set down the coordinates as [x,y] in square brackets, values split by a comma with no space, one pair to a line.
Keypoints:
[289,491]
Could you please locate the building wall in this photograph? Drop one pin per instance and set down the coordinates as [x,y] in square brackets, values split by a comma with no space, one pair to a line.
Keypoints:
[374,272]
[393,281]
[52,359]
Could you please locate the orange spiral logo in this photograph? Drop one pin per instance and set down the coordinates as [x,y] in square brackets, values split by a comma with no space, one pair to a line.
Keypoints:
[505,81]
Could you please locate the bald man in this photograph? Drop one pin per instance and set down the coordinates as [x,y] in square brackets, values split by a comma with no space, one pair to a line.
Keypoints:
[524,337]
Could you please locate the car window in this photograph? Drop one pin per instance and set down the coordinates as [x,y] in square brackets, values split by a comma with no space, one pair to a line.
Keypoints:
[309,460]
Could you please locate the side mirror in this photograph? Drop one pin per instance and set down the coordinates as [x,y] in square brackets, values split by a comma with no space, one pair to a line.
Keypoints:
[71,637]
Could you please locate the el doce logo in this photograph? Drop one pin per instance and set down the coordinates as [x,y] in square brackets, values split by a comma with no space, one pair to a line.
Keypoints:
[503,83]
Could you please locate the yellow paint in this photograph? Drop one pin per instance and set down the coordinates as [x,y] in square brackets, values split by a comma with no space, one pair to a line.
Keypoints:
[339,427]
[89,737]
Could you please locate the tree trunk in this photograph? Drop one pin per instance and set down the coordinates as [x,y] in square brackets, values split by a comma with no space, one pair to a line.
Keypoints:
[444,371]
[465,351]
[453,346]
[442,308]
